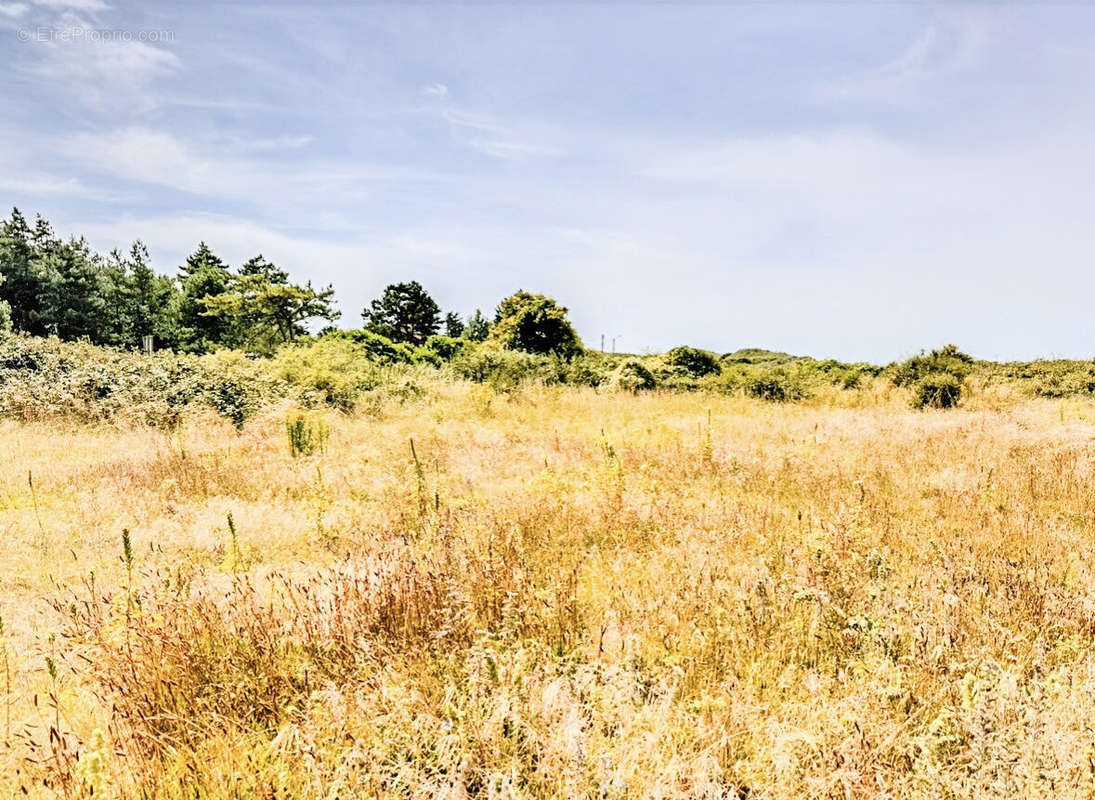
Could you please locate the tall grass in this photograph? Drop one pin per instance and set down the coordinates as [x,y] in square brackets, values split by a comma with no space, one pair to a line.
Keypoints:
[556,592]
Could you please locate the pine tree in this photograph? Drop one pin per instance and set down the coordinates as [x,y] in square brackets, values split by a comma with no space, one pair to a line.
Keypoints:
[203,276]
[478,328]
[454,326]
[24,281]
[75,302]
[263,310]
[404,313]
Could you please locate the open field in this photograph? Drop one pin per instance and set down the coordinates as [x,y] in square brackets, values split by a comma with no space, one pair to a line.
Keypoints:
[559,593]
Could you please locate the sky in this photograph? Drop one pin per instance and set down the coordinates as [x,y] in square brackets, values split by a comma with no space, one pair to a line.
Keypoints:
[855,180]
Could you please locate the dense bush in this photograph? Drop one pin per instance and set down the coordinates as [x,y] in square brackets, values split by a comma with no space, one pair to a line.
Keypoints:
[937,390]
[949,360]
[377,348]
[1048,378]
[535,324]
[937,377]
[445,347]
[46,377]
[334,371]
[502,368]
[775,385]
[589,369]
[632,376]
[693,361]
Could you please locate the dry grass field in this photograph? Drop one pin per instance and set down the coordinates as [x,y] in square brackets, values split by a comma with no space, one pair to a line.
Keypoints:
[556,593]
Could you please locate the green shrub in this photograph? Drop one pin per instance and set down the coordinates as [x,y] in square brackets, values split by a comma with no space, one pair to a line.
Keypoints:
[534,323]
[948,360]
[503,369]
[334,371]
[937,390]
[692,361]
[445,347]
[589,369]
[632,376]
[775,385]
[307,433]
[377,348]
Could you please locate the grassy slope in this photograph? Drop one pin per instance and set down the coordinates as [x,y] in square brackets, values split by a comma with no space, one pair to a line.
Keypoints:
[573,594]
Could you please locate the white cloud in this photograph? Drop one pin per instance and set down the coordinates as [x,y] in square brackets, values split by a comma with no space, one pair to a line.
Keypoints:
[287,142]
[493,137]
[158,158]
[511,151]
[105,74]
[13,10]
[75,5]
[47,185]
[955,41]
[435,90]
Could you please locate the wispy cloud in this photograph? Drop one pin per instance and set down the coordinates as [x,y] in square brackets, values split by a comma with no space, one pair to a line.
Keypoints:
[435,90]
[955,40]
[75,5]
[103,74]
[13,10]
[158,158]
[271,144]
[493,137]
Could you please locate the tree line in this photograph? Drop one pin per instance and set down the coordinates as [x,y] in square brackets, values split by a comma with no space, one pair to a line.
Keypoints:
[55,287]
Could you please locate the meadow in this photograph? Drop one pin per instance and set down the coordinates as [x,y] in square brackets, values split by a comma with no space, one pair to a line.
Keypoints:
[540,590]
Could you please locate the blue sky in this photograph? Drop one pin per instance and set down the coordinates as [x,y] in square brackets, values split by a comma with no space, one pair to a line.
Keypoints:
[856,180]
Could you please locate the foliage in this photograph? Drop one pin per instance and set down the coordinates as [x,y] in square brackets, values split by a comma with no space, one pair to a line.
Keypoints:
[632,376]
[937,377]
[405,312]
[692,361]
[445,346]
[454,326]
[534,323]
[307,433]
[777,385]
[203,277]
[25,280]
[146,303]
[756,355]
[336,371]
[949,360]
[503,369]
[42,378]
[262,310]
[477,328]
[937,390]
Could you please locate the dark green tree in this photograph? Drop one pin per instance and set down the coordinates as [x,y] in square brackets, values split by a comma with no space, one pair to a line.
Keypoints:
[74,304]
[403,313]
[24,278]
[536,324]
[263,310]
[693,361]
[477,328]
[203,276]
[454,326]
[143,303]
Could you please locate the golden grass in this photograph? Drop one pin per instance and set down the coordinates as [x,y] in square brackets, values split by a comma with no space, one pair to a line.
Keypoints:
[562,594]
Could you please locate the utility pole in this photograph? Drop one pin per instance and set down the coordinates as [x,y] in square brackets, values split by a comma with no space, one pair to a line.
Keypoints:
[602,342]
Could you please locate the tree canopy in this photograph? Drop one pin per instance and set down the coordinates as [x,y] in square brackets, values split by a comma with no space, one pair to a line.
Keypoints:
[405,312]
[534,323]
[63,288]
[262,310]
